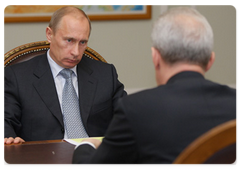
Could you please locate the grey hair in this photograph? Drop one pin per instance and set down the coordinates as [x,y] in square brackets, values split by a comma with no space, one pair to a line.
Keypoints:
[183,35]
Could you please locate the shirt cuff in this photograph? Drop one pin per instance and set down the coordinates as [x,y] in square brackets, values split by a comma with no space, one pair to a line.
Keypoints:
[83,143]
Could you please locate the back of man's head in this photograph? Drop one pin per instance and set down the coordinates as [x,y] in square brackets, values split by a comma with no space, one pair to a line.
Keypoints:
[183,35]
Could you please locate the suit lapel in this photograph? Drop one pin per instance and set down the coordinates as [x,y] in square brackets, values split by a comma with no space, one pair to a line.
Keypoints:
[46,89]
[87,86]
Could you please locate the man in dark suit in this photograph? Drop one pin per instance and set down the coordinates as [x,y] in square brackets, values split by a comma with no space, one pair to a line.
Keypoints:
[155,125]
[33,89]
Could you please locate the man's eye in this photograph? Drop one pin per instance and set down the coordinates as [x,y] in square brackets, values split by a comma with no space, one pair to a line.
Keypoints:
[69,40]
[83,42]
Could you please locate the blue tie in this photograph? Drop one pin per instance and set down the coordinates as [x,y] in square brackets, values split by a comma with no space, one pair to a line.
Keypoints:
[70,105]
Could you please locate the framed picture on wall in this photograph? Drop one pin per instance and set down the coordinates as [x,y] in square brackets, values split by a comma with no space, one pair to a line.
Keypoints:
[43,13]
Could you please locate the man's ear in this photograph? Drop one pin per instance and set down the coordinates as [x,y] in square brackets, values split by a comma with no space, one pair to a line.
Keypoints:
[210,62]
[156,58]
[49,34]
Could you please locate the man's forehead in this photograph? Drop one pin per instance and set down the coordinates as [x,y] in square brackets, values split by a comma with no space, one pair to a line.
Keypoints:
[70,23]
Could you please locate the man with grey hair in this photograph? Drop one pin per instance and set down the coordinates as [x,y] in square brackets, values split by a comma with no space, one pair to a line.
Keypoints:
[154,126]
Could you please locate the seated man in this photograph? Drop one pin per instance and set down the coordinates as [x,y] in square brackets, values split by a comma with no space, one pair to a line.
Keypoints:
[61,94]
[154,126]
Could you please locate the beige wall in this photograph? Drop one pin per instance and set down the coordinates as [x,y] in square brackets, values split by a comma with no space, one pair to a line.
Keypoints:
[127,44]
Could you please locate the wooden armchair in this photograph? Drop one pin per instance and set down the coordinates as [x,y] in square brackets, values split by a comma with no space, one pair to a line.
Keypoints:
[30,50]
[217,146]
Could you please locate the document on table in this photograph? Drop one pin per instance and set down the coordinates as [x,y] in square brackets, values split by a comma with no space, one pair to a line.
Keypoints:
[79,140]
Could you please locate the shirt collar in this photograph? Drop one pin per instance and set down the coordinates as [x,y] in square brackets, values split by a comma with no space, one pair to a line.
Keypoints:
[56,68]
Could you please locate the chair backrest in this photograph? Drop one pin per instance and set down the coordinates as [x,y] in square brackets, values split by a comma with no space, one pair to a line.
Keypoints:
[30,50]
[215,146]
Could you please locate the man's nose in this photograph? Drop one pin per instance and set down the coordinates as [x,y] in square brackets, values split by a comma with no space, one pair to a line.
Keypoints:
[75,50]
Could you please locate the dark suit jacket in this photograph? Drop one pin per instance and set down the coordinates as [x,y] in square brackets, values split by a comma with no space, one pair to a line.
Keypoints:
[32,109]
[155,125]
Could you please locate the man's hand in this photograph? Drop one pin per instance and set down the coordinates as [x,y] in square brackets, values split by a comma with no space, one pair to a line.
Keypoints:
[96,142]
[12,140]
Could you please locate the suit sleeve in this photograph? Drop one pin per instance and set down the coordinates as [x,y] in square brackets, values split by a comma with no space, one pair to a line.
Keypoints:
[12,108]
[83,154]
[118,146]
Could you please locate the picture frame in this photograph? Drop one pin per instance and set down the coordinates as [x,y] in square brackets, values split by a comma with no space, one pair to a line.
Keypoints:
[43,13]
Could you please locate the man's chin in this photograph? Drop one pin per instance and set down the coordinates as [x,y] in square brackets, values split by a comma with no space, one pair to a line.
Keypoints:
[70,64]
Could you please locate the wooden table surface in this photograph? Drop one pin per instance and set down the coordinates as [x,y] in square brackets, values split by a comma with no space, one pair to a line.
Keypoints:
[39,152]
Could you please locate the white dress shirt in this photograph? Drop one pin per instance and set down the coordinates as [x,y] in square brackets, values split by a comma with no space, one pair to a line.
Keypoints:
[60,81]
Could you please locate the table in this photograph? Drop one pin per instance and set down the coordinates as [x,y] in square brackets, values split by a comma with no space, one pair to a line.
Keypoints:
[39,152]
